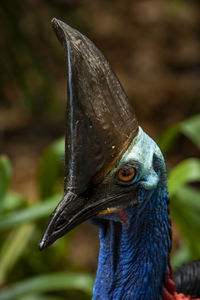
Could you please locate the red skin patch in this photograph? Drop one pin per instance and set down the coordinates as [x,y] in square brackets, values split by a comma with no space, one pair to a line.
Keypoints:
[169,292]
[122,215]
[183,297]
[175,296]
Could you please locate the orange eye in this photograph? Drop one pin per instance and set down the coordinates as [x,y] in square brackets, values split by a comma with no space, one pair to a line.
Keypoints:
[126,174]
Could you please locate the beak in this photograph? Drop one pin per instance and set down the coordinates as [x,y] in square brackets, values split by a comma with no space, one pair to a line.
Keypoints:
[62,220]
[70,212]
[74,210]
[96,108]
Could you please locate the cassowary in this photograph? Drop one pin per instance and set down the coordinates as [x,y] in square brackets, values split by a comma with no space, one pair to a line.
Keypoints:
[115,175]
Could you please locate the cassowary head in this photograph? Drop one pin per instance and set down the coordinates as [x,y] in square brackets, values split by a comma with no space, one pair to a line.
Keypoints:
[112,166]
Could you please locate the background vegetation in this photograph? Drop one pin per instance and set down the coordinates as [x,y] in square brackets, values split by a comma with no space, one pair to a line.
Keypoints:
[154,47]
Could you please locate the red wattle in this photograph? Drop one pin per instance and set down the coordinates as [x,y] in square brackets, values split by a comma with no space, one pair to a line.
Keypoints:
[169,292]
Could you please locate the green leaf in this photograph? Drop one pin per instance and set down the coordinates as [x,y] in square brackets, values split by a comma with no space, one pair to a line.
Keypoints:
[190,197]
[191,128]
[182,255]
[51,164]
[40,297]
[185,211]
[168,138]
[187,224]
[47,283]
[5,176]
[34,212]
[13,247]
[185,172]
[13,201]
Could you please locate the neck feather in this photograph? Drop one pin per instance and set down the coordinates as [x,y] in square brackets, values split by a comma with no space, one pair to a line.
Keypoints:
[133,259]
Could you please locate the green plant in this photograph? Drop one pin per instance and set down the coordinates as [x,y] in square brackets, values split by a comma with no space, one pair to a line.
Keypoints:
[20,228]
[184,204]
[21,225]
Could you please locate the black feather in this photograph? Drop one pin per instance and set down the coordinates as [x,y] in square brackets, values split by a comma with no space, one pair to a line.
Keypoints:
[187,279]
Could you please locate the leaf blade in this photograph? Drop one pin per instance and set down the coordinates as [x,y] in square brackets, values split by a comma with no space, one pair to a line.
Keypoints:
[31,213]
[47,283]
[5,177]
[191,129]
[185,172]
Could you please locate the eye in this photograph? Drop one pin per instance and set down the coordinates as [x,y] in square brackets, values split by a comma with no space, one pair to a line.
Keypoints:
[126,174]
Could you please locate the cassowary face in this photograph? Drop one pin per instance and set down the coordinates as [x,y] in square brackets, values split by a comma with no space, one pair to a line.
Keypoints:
[140,169]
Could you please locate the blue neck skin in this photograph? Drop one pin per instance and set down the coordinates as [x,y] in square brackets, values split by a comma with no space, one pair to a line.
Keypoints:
[133,259]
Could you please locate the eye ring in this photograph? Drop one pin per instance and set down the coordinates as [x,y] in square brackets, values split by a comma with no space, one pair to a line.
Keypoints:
[126,174]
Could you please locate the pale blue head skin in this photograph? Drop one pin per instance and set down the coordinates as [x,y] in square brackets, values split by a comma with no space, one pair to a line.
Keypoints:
[133,258]
[142,150]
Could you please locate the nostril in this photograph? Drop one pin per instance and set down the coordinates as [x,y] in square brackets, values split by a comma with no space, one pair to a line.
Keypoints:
[60,223]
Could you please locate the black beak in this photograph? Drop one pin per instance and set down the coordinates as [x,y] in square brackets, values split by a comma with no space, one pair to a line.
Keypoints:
[62,220]
[101,125]
[72,211]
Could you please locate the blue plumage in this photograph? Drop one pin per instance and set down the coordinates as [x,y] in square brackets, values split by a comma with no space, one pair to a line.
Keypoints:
[133,257]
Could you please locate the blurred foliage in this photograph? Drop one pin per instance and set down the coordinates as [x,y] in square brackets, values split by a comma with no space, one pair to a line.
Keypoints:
[28,69]
[22,224]
[160,38]
[20,233]
[185,204]
[51,167]
[47,283]
[5,176]
[190,128]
